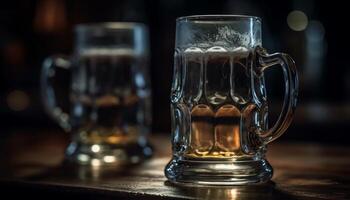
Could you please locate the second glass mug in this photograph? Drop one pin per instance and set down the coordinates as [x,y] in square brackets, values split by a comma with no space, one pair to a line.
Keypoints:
[109,95]
[219,103]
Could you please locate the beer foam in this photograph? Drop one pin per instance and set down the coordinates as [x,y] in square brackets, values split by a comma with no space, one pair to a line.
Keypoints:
[225,36]
[108,52]
[232,37]
[193,50]
[216,50]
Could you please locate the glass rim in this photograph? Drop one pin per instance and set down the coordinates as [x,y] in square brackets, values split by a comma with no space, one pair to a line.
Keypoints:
[108,26]
[213,18]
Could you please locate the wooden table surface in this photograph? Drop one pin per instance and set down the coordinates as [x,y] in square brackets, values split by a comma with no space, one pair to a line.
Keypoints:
[31,164]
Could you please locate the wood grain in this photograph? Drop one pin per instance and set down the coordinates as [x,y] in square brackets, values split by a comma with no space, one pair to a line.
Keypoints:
[33,164]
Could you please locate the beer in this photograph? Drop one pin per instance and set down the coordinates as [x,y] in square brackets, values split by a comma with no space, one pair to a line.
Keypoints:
[214,97]
[109,97]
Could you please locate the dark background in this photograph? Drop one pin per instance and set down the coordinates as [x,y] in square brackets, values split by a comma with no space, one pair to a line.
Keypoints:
[31,30]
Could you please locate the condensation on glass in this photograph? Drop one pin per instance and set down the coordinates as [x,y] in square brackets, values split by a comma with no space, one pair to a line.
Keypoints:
[109,97]
[218,101]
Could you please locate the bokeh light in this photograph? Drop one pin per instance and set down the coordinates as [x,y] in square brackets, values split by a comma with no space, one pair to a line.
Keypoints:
[17,100]
[297,20]
[315,31]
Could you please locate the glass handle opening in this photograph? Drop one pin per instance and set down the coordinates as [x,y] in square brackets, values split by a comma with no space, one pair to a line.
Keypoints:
[265,61]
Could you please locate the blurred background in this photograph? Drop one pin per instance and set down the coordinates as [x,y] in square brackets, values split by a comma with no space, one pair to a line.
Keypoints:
[313,32]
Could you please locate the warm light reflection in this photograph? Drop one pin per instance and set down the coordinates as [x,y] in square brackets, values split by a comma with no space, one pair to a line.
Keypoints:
[109,159]
[232,194]
[297,20]
[17,100]
[50,16]
[219,193]
[115,138]
[95,162]
[95,148]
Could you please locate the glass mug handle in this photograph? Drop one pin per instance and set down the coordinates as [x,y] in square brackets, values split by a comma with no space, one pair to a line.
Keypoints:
[47,91]
[264,61]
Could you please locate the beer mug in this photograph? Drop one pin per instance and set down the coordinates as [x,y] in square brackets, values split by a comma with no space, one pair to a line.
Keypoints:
[109,97]
[219,103]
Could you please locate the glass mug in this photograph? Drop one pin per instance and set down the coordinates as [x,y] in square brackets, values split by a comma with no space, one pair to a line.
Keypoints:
[219,104]
[109,97]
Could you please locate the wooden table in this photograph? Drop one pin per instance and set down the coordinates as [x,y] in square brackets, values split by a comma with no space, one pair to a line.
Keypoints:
[31,165]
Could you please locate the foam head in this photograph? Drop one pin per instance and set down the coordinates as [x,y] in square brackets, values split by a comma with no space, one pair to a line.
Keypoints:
[228,31]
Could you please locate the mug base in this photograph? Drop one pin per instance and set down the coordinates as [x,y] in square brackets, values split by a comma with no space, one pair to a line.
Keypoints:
[192,173]
[107,154]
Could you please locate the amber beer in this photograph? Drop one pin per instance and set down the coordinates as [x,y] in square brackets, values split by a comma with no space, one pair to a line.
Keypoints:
[107,96]
[218,105]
